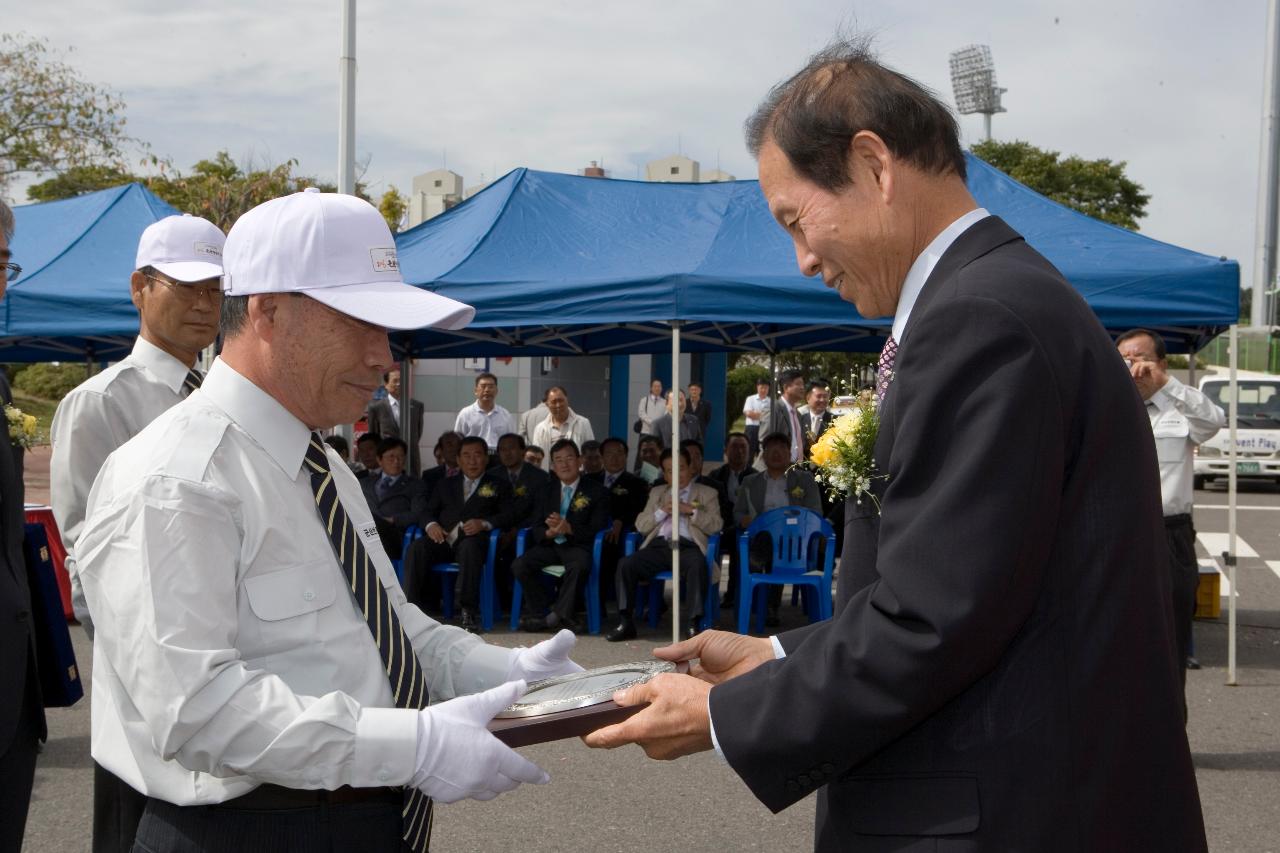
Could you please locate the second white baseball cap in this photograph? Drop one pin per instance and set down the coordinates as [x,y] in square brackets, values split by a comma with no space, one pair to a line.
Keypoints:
[185,248]
[338,250]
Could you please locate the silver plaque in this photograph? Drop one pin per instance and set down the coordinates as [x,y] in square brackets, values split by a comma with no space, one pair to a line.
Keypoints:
[582,689]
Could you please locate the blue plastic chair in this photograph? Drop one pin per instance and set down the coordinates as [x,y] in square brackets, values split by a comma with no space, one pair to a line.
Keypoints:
[657,585]
[594,617]
[795,532]
[411,533]
[488,593]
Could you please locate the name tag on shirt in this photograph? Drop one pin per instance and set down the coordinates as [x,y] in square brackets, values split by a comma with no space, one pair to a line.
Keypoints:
[369,531]
[1172,426]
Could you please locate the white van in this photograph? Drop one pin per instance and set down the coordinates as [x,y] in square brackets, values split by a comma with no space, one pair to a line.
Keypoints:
[1257,430]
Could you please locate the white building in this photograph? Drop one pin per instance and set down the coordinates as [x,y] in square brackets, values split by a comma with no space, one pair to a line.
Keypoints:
[432,194]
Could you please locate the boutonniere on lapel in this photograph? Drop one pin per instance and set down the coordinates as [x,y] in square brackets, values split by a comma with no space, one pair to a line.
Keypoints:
[580,502]
[521,491]
[22,427]
[486,490]
[843,457]
[620,491]
[797,492]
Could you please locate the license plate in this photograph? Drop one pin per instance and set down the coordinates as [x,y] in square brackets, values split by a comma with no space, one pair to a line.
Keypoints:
[1248,468]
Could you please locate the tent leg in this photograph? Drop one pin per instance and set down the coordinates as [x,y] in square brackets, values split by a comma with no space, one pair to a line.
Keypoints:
[1230,556]
[676,416]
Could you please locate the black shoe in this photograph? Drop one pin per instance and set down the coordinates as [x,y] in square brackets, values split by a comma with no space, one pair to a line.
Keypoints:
[533,624]
[468,622]
[625,630]
[565,623]
[1192,663]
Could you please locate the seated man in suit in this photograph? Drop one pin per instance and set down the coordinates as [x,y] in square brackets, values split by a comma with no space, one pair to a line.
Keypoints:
[698,512]
[778,485]
[367,455]
[648,453]
[592,462]
[455,529]
[525,478]
[817,416]
[627,496]
[569,511]
[736,468]
[396,498]
[448,447]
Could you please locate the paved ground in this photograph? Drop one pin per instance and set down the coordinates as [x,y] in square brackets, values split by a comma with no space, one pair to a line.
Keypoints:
[620,801]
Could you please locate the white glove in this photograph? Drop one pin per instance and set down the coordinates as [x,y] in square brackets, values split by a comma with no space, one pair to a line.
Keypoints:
[457,756]
[545,660]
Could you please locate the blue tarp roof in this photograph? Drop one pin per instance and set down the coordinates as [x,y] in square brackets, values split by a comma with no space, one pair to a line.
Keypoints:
[73,295]
[561,264]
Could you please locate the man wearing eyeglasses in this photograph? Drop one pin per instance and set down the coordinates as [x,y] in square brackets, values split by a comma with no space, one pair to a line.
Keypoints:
[176,288]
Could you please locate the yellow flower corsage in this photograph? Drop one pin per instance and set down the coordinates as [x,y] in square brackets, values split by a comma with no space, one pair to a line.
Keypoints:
[581,502]
[486,491]
[22,427]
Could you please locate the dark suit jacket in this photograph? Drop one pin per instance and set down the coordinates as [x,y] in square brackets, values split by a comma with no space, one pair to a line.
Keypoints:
[689,428]
[721,476]
[17,627]
[722,498]
[491,501]
[381,422]
[1000,672]
[802,490]
[627,497]
[815,427]
[403,503]
[702,412]
[528,481]
[433,477]
[780,421]
[587,517]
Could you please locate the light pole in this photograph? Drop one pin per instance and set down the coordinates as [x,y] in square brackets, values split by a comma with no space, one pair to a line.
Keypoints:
[973,79]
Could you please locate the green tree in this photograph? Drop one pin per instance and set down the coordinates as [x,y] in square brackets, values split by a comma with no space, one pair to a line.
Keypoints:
[1097,188]
[219,188]
[51,119]
[392,207]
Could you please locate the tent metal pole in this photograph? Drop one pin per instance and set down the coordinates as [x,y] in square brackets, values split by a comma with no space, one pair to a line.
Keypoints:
[676,417]
[1230,557]
[347,101]
[406,411]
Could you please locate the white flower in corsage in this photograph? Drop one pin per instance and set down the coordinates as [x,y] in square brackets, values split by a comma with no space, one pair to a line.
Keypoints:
[843,457]
[22,427]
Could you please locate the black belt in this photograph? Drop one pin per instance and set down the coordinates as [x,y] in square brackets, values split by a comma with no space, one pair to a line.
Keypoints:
[1178,520]
[278,798]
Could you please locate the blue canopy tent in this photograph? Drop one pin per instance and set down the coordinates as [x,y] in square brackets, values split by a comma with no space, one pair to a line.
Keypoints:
[72,299]
[565,265]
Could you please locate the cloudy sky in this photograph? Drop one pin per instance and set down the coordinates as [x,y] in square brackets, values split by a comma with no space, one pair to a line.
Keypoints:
[1172,87]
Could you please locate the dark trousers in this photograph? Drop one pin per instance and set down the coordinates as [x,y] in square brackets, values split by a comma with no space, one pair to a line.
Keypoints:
[528,570]
[117,809]
[391,536]
[753,441]
[166,828]
[1184,577]
[656,557]
[469,552]
[18,768]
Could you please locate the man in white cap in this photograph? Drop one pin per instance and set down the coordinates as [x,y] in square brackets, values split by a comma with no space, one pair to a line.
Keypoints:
[176,288]
[267,680]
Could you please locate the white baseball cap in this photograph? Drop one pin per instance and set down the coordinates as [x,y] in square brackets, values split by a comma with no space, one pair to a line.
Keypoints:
[338,250]
[185,248]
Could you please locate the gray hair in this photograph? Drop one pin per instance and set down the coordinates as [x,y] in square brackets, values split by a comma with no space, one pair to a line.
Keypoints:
[813,116]
[7,223]
[235,313]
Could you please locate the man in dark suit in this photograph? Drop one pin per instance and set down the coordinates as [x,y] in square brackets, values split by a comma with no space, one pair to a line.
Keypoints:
[455,528]
[383,416]
[736,468]
[367,455]
[700,409]
[525,479]
[689,426]
[627,496]
[395,497]
[818,417]
[449,445]
[569,511]
[997,675]
[784,416]
[22,710]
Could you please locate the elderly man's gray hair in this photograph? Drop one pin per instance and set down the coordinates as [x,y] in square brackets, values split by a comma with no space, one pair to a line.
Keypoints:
[7,223]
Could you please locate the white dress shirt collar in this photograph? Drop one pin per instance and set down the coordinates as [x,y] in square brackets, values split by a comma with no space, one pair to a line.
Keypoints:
[923,266]
[260,415]
[165,367]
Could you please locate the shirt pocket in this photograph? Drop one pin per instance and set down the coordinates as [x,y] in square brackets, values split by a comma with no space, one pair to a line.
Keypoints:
[1172,435]
[284,606]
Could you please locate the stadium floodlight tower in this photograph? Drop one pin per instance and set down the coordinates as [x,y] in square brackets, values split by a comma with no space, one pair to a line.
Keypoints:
[973,79]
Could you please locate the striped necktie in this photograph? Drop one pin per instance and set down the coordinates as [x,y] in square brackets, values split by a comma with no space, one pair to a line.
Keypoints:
[191,382]
[408,684]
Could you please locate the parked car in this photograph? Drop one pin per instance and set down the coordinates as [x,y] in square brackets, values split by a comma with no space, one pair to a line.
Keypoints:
[1257,430]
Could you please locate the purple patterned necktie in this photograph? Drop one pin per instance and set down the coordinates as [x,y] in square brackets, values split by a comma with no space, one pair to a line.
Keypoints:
[884,368]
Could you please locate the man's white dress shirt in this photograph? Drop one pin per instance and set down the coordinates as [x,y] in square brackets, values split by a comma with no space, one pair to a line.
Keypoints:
[760,405]
[547,433]
[99,415]
[491,425]
[911,287]
[230,650]
[1181,417]
[649,410]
